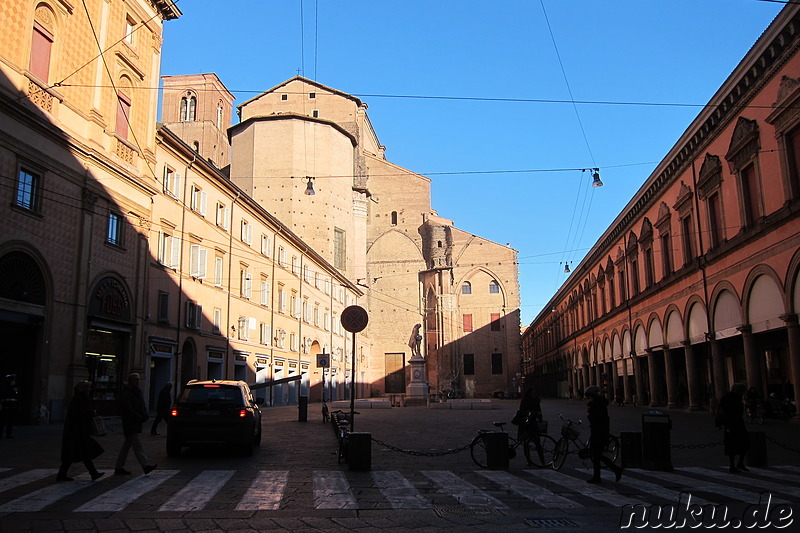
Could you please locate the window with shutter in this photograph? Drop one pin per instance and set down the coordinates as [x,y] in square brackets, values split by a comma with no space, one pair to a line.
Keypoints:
[467,323]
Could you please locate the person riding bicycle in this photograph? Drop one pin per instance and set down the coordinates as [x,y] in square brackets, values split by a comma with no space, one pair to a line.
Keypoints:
[530,408]
[599,424]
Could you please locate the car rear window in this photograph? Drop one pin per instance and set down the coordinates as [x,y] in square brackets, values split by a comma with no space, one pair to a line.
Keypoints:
[229,395]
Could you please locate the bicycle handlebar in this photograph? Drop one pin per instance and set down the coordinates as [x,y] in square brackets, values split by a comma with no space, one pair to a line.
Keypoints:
[569,420]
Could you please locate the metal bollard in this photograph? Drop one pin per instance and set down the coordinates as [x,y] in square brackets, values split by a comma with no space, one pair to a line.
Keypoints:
[302,409]
[359,451]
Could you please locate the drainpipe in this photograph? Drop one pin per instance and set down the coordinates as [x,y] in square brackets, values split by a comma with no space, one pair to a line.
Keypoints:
[178,351]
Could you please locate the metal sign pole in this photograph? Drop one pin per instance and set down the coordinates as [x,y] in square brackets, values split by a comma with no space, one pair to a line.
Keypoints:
[353,387]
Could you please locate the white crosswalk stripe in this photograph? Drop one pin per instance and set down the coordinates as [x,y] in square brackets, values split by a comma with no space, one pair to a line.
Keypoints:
[25,477]
[744,478]
[332,491]
[266,492]
[597,492]
[120,497]
[198,492]
[733,493]
[564,490]
[398,491]
[466,493]
[38,500]
[531,491]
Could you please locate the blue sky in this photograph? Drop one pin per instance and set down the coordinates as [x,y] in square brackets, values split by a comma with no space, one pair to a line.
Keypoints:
[498,101]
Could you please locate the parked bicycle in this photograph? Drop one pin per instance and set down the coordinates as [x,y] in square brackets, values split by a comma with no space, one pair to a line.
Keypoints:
[754,412]
[570,443]
[341,423]
[479,448]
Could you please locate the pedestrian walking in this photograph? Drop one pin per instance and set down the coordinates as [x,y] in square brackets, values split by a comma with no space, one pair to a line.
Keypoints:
[600,429]
[162,407]
[77,444]
[8,404]
[528,417]
[730,417]
[134,414]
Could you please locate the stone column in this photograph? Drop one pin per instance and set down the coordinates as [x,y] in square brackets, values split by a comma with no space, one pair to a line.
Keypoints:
[672,379]
[586,380]
[626,388]
[652,378]
[637,373]
[692,377]
[718,369]
[793,331]
[597,376]
[614,377]
[571,380]
[751,363]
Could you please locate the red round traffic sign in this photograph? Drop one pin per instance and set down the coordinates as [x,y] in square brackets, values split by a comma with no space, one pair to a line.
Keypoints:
[354,318]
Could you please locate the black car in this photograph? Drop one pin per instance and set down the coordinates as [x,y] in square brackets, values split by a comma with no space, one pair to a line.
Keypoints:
[216,412]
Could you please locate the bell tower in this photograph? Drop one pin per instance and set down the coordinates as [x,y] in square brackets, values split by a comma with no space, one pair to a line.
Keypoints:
[197,108]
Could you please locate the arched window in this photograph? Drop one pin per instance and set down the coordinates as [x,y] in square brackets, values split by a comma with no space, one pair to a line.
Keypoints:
[124,105]
[466,288]
[188,108]
[219,116]
[494,288]
[394,218]
[42,43]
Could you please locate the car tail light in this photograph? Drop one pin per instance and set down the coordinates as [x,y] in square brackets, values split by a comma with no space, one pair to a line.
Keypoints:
[242,413]
[174,411]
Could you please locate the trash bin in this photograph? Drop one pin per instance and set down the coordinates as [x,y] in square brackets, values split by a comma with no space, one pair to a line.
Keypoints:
[656,453]
[302,409]
[359,451]
[631,452]
[757,453]
[496,450]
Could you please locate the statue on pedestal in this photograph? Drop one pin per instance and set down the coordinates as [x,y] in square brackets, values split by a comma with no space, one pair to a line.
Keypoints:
[415,341]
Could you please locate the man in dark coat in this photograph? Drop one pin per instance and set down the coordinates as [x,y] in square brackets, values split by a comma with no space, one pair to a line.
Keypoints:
[730,416]
[134,414]
[600,425]
[162,407]
[77,444]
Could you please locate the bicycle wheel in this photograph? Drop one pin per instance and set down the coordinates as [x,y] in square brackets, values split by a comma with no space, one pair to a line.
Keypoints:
[477,449]
[548,448]
[612,448]
[560,454]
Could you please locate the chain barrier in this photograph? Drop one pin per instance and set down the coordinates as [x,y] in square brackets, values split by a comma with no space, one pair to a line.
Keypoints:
[695,446]
[419,454]
[781,445]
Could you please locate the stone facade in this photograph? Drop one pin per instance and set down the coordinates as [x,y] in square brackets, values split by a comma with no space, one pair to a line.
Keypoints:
[410,261]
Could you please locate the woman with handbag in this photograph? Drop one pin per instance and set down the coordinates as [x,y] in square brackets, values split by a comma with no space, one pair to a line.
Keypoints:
[77,444]
[528,417]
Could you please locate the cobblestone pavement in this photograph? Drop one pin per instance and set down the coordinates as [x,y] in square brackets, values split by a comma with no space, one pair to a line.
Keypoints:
[293,481]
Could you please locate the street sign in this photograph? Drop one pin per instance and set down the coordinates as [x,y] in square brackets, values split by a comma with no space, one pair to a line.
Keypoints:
[323,360]
[354,318]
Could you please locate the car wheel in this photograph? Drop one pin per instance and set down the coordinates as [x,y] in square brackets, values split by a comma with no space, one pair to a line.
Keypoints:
[173,448]
[257,440]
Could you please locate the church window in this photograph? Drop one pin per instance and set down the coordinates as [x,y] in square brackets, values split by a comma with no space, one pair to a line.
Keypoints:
[466,288]
[494,288]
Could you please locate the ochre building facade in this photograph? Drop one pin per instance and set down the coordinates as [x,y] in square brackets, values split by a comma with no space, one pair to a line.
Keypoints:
[188,249]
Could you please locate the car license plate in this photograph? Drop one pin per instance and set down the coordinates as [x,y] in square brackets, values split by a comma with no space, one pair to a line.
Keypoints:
[207,413]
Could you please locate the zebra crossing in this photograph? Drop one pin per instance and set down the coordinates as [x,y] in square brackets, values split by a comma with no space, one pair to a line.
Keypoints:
[32,491]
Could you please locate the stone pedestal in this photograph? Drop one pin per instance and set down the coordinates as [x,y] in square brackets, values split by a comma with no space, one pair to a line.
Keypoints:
[418,387]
